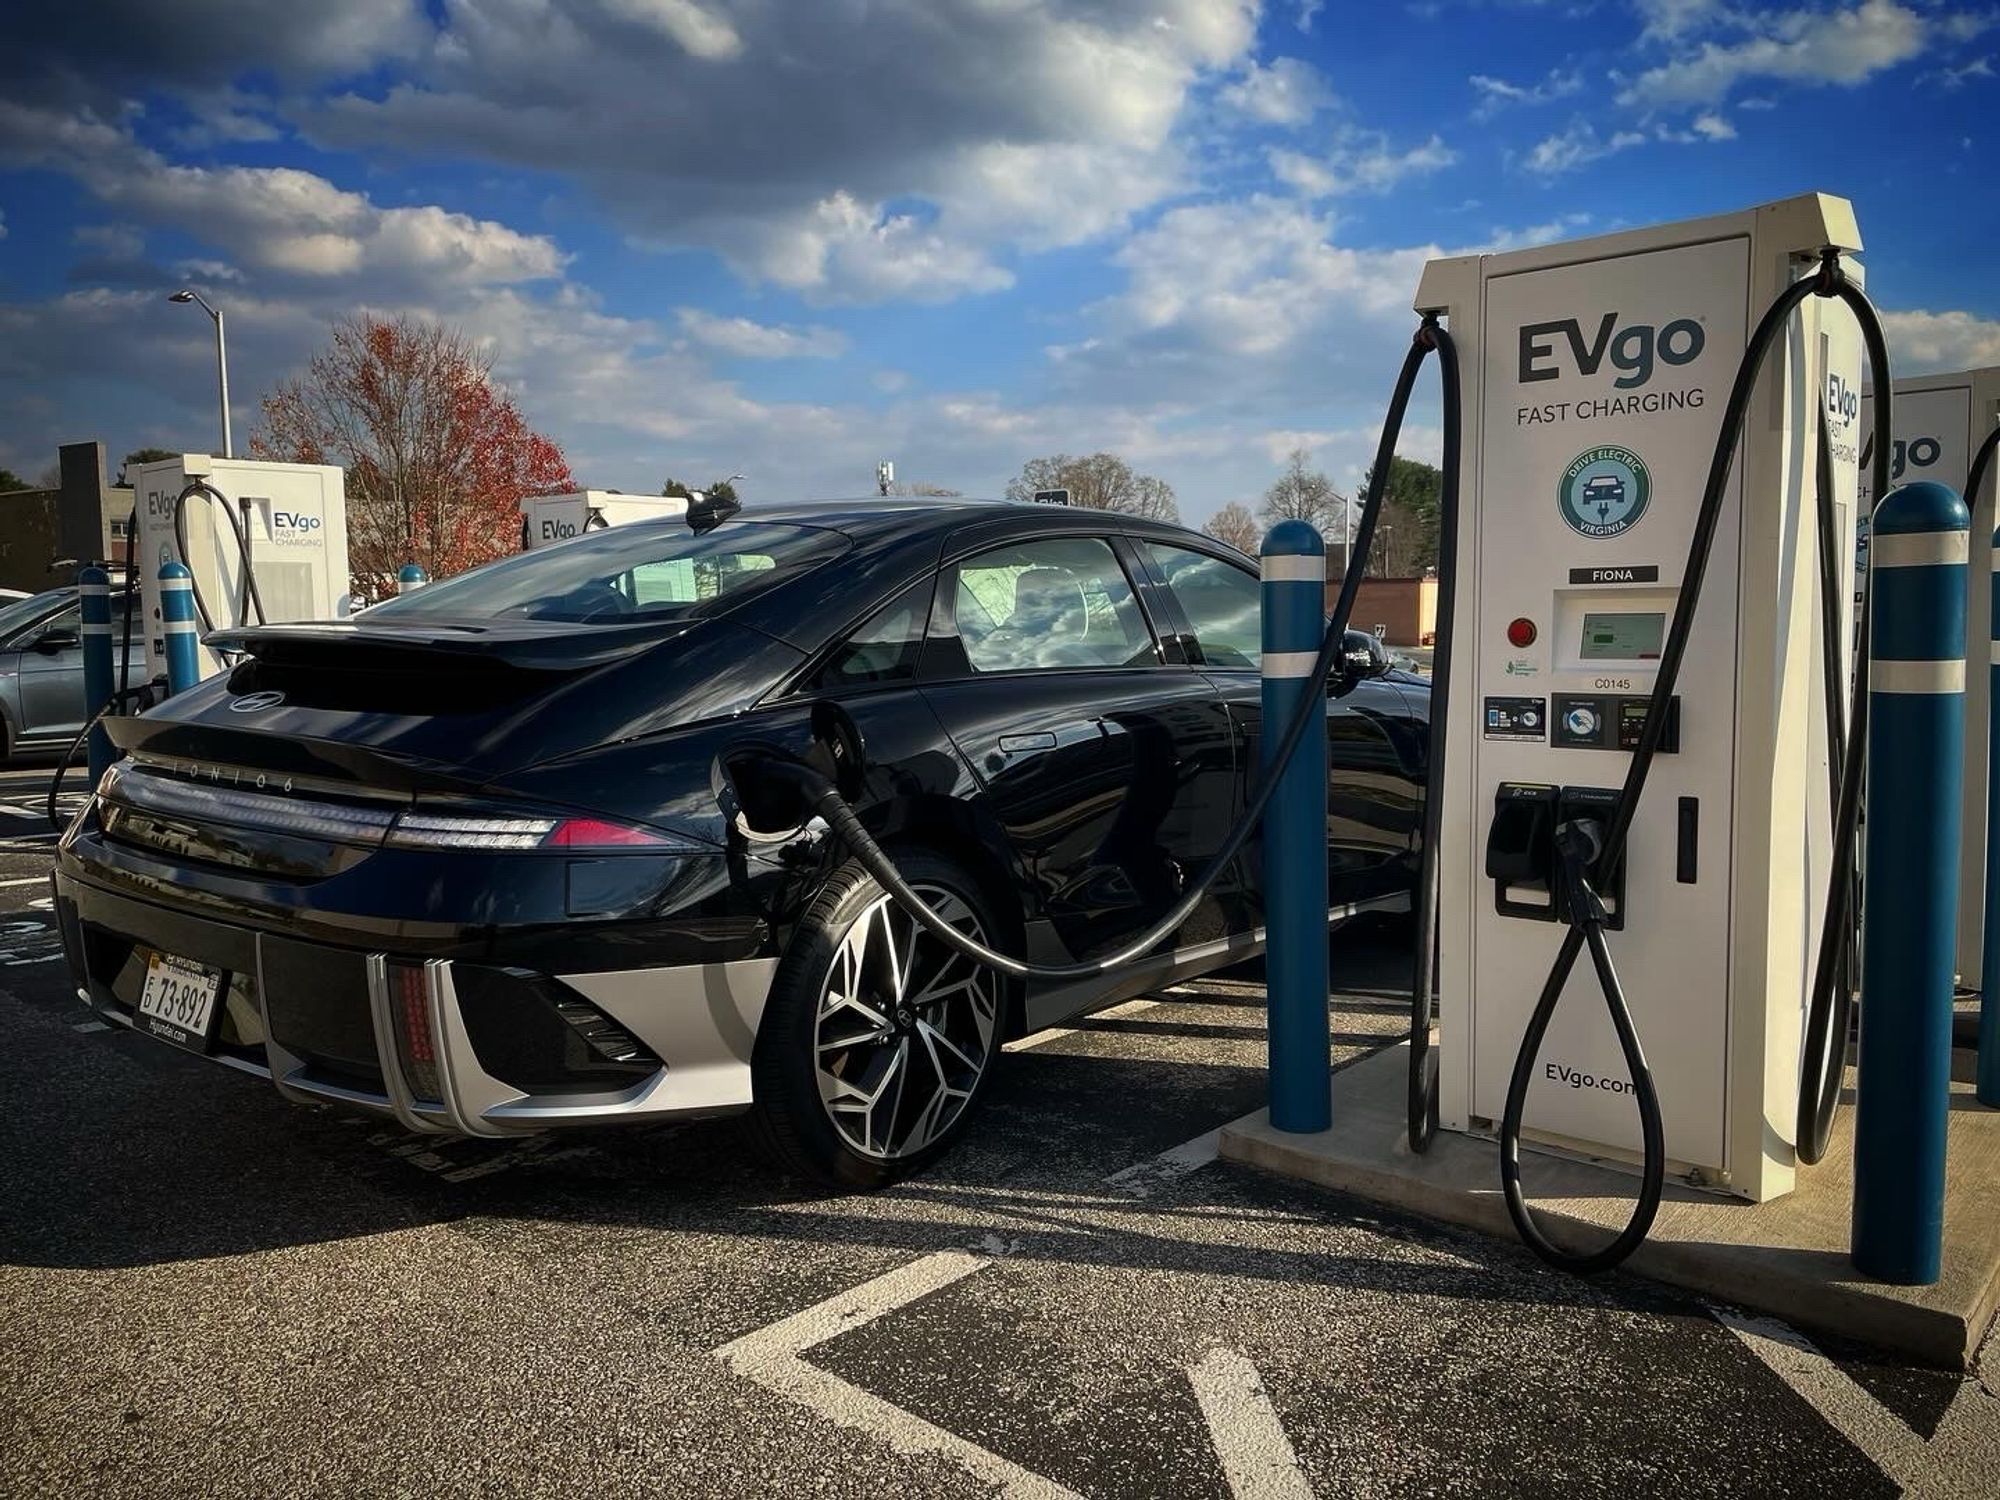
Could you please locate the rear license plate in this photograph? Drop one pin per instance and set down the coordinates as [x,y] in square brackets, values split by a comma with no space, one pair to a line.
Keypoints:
[178,1001]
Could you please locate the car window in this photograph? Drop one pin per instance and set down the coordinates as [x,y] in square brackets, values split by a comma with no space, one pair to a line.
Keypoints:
[1222,602]
[1038,606]
[643,570]
[884,648]
[68,622]
[24,612]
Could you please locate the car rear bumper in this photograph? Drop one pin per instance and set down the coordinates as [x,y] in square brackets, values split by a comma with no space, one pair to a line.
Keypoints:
[403,1038]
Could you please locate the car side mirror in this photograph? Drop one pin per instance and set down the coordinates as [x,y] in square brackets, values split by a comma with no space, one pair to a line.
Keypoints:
[1356,665]
[52,642]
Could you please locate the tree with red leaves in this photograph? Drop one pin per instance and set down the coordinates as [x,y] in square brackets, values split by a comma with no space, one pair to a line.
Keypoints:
[438,458]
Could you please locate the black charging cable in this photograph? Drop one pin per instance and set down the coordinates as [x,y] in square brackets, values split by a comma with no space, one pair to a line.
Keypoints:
[823,797]
[239,528]
[1585,927]
[1421,1107]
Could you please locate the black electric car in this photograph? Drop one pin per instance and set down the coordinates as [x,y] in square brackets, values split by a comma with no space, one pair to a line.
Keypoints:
[498,855]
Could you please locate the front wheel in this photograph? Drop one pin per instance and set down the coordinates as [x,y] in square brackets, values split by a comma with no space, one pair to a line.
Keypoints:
[877,1039]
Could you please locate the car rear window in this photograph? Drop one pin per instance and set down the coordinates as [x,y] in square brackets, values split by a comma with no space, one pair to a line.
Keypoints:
[643,571]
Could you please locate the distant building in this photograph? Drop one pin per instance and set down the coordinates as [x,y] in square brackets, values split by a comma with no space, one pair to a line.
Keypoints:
[46,534]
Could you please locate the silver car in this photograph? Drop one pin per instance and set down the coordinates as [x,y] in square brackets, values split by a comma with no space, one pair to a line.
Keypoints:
[41,668]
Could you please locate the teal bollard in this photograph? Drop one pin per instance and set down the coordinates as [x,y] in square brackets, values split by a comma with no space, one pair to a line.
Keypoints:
[411,578]
[1916,752]
[178,625]
[1299,1036]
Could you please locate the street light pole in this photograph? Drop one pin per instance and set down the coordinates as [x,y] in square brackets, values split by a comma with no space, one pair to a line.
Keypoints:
[221,358]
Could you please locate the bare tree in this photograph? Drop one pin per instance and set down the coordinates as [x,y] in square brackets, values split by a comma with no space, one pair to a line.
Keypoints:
[917,488]
[1302,493]
[1235,525]
[1102,481]
[438,457]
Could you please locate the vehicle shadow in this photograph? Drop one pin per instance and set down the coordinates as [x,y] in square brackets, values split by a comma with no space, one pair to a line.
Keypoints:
[210,1167]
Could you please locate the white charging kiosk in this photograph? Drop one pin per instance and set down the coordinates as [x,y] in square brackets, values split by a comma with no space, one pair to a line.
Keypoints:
[295,516]
[1595,376]
[556,518]
[1940,422]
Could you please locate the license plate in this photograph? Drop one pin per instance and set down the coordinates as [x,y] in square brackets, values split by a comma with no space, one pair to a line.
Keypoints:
[178,1001]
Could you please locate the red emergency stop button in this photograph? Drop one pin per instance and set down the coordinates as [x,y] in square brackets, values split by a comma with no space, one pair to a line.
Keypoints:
[1521,634]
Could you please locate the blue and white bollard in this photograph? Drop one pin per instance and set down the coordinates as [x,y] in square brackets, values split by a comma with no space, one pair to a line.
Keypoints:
[1916,752]
[94,584]
[1988,1075]
[1300,1040]
[177,623]
[412,577]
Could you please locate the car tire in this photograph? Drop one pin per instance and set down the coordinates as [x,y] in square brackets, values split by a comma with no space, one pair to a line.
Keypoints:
[877,1040]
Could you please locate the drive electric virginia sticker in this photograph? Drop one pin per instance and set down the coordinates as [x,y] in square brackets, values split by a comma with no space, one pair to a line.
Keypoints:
[1604,491]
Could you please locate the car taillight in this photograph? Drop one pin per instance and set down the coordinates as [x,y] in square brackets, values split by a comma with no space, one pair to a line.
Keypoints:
[414,1042]
[459,831]
[596,833]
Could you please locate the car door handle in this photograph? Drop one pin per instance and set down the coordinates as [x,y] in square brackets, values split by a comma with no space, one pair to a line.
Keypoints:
[1021,744]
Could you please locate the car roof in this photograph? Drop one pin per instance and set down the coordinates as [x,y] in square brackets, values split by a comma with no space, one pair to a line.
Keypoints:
[870,518]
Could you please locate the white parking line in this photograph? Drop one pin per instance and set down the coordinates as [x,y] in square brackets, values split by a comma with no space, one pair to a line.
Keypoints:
[1833,1393]
[1257,1457]
[28,880]
[772,1357]
[1057,1033]
[1189,1156]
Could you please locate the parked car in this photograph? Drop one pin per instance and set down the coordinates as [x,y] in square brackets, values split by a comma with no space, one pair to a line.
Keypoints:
[496,856]
[41,668]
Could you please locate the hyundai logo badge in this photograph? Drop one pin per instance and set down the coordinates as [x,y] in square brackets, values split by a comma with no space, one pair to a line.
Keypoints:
[255,703]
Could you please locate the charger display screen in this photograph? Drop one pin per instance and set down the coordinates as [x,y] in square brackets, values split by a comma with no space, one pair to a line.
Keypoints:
[1623,637]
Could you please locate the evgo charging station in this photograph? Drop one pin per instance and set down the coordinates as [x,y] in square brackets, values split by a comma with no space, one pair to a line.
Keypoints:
[1596,373]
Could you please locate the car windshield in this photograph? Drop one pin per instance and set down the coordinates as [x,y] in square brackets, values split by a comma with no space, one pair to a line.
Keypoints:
[641,571]
[23,612]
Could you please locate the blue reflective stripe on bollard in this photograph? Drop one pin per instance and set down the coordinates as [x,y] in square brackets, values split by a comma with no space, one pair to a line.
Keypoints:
[1294,564]
[1989,976]
[1916,707]
[94,584]
[177,623]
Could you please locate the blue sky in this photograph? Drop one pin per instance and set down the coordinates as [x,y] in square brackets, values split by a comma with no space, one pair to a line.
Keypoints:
[790,237]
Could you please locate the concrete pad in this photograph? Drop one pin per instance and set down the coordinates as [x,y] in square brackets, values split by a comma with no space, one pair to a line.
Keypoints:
[1788,1257]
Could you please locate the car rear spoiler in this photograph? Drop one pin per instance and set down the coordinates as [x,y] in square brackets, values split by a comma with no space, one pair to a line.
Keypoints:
[530,645]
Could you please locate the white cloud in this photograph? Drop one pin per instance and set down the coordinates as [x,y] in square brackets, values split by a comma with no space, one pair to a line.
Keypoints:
[1288,92]
[278,219]
[1956,77]
[1496,94]
[698,32]
[1842,47]
[113,241]
[1920,342]
[1308,9]
[746,339]
[1360,162]
[1577,146]
[909,156]
[1713,127]
[845,250]
[1668,19]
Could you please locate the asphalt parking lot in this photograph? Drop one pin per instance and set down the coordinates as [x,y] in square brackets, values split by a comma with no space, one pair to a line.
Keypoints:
[207,1291]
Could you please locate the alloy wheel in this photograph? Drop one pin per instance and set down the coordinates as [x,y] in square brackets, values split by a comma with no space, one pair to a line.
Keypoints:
[904,1030]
